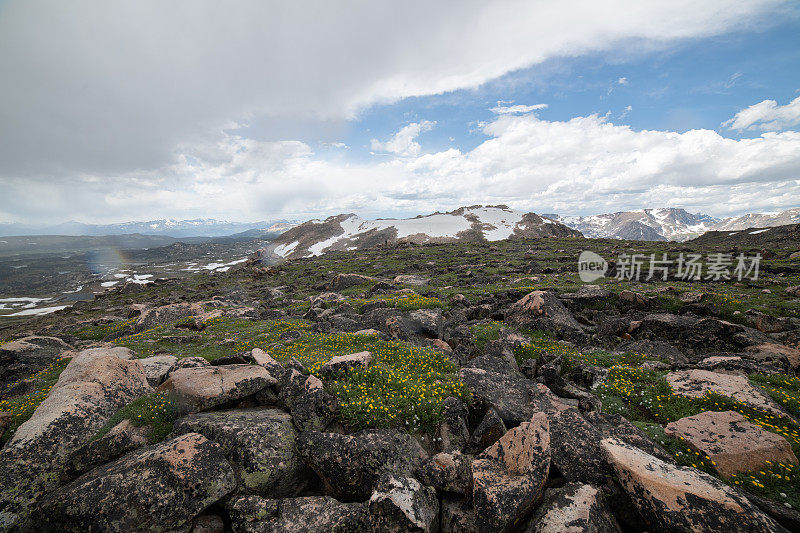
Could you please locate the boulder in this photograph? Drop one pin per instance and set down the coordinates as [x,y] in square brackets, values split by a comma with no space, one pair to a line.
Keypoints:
[312,407]
[89,391]
[515,399]
[696,383]
[574,508]
[692,297]
[457,516]
[157,367]
[773,353]
[508,478]
[310,514]
[541,310]
[674,498]
[402,504]
[26,356]
[121,439]
[450,472]
[158,488]
[343,363]
[452,433]
[188,362]
[262,358]
[5,421]
[658,349]
[426,322]
[588,293]
[617,426]
[203,388]
[734,444]
[411,279]
[574,448]
[166,314]
[208,523]
[793,291]
[487,433]
[734,364]
[344,281]
[260,446]
[379,452]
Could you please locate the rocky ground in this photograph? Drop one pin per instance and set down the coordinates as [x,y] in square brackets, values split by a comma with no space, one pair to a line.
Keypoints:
[450,387]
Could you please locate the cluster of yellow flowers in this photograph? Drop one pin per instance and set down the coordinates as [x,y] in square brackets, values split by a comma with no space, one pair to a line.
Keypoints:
[404,302]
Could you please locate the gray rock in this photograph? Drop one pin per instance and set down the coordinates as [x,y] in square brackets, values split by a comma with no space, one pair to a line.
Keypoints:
[379,452]
[574,508]
[450,472]
[453,433]
[312,514]
[203,388]
[26,356]
[158,488]
[166,314]
[542,310]
[157,367]
[457,516]
[402,504]
[487,433]
[260,446]
[508,478]
[89,391]
[311,406]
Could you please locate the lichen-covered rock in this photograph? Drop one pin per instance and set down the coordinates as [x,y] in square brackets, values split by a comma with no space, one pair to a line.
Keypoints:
[674,498]
[508,478]
[542,310]
[158,488]
[5,421]
[166,314]
[343,363]
[157,367]
[208,523]
[453,433]
[450,472]
[731,441]
[402,504]
[311,514]
[776,354]
[344,281]
[89,391]
[258,443]
[457,516]
[574,508]
[426,322]
[28,355]
[487,433]
[515,399]
[121,439]
[311,406]
[351,465]
[696,383]
[203,388]
[574,445]
[262,358]
[617,426]
[188,362]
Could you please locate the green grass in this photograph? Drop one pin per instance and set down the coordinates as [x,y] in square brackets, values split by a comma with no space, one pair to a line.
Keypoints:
[157,410]
[100,332]
[23,407]
[485,332]
[403,302]
[784,389]
[779,482]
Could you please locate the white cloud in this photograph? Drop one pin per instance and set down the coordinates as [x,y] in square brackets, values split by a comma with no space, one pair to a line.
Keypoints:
[583,165]
[403,142]
[85,89]
[623,81]
[767,116]
[516,109]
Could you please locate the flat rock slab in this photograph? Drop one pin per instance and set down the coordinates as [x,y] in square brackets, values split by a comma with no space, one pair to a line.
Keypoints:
[157,488]
[259,444]
[696,383]
[207,387]
[731,441]
[674,498]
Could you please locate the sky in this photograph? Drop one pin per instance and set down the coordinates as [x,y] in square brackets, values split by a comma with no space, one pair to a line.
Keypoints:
[261,110]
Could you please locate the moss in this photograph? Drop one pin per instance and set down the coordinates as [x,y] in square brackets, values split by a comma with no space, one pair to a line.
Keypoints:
[157,410]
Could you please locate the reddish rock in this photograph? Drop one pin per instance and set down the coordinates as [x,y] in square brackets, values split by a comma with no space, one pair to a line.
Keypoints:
[731,441]
[696,383]
[691,297]
[166,314]
[206,387]
[673,498]
[771,351]
[343,363]
[508,478]
[574,508]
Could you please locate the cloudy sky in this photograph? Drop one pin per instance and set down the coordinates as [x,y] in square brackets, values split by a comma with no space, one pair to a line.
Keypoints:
[254,110]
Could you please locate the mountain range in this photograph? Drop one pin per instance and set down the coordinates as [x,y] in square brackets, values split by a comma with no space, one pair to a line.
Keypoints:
[199,227]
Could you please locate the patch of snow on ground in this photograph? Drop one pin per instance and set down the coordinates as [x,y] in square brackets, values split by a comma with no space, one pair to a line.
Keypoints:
[140,279]
[756,232]
[285,249]
[109,283]
[40,311]
[503,221]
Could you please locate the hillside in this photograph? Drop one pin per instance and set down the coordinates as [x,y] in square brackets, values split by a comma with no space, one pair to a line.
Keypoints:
[443,363]
[780,237]
[466,224]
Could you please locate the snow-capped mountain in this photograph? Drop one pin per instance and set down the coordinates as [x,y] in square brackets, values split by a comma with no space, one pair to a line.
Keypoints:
[200,227]
[664,224]
[350,232]
[759,220]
